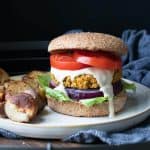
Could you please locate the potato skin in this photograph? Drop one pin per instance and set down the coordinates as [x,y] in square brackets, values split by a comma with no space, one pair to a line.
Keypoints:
[2,112]
[21,107]
[3,76]
[31,79]
[18,103]
[21,100]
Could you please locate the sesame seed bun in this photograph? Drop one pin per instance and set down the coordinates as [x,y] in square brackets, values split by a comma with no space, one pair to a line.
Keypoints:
[88,41]
[77,109]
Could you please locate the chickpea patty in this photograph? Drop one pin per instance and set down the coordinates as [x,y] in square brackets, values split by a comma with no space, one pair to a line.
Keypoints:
[86,81]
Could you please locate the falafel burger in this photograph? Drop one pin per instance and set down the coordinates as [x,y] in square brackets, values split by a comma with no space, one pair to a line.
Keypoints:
[85,76]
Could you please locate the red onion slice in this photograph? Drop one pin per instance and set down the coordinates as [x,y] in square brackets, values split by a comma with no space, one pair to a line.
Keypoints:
[77,94]
[52,84]
[83,94]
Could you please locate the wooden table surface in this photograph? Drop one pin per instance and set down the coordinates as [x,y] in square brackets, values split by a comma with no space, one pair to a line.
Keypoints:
[39,143]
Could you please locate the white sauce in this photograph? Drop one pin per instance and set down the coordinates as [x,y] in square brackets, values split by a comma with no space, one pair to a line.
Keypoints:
[103,77]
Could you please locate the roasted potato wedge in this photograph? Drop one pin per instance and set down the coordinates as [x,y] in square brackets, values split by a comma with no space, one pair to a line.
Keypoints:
[31,79]
[21,102]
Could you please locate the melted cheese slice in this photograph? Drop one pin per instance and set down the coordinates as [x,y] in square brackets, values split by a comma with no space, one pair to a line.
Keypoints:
[103,77]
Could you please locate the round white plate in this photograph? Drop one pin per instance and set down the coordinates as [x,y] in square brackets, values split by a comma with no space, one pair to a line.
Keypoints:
[51,125]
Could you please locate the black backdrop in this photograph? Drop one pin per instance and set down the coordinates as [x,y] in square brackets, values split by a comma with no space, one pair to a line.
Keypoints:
[44,19]
[41,20]
[36,20]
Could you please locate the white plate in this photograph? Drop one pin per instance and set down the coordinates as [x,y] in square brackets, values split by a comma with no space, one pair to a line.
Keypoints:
[52,125]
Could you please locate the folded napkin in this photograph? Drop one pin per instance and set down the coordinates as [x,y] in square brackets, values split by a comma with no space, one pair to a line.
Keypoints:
[9,134]
[136,66]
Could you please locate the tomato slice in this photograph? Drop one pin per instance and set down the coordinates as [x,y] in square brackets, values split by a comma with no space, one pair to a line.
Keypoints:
[65,61]
[103,60]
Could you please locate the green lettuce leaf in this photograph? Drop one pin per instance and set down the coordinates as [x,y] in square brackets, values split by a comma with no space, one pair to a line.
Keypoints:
[128,86]
[93,101]
[44,81]
[56,94]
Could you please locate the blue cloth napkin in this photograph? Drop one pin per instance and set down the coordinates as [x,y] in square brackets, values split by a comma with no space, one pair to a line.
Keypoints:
[136,66]
[9,134]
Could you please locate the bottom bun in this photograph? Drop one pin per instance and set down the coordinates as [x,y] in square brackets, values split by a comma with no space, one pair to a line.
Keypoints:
[77,109]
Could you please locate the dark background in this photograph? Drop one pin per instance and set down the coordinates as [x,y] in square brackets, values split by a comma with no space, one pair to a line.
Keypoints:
[45,19]
[42,20]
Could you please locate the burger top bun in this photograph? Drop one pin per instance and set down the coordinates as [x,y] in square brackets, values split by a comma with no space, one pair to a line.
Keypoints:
[88,41]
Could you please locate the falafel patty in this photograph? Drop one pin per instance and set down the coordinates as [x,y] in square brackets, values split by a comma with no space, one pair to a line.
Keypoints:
[87,81]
